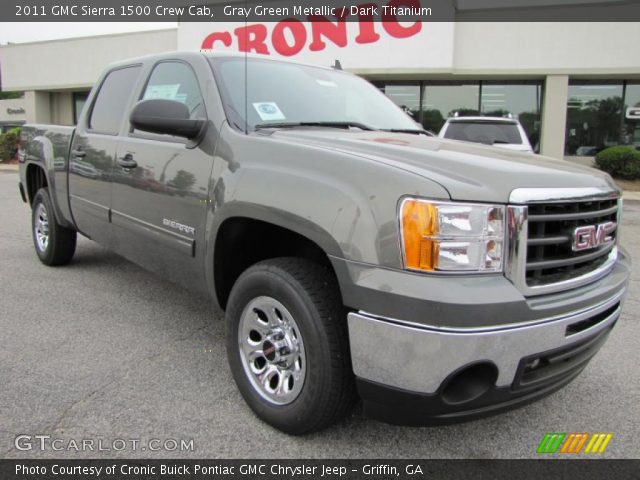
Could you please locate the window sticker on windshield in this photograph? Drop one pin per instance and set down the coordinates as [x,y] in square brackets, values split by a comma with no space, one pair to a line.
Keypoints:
[327,83]
[167,92]
[268,111]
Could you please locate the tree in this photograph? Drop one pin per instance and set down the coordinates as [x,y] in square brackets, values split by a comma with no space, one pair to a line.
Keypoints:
[182,182]
[464,112]
[607,118]
[594,123]
[432,120]
[11,95]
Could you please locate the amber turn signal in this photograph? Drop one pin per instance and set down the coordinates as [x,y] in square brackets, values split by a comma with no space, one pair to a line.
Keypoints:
[419,224]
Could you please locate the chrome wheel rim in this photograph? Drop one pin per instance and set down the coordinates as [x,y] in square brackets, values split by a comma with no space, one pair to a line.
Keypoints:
[41,227]
[272,350]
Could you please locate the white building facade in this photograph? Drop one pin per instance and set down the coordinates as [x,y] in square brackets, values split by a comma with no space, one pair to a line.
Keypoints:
[570,84]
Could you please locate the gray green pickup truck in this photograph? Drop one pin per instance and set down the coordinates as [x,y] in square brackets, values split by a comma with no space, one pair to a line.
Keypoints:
[354,254]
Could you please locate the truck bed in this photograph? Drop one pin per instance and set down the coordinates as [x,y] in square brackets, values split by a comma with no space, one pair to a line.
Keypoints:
[48,146]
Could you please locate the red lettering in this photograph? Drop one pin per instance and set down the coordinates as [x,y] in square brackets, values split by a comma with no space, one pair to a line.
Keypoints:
[224,37]
[251,39]
[367,31]
[289,36]
[322,26]
[395,28]
[299,33]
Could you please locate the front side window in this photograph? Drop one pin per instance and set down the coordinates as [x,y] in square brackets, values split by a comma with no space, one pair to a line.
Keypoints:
[176,81]
[261,92]
[111,102]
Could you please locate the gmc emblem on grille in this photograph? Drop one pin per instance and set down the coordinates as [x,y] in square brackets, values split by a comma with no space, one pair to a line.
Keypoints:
[592,236]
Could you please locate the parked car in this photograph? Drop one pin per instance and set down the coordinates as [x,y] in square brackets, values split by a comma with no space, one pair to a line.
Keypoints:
[587,151]
[353,254]
[498,131]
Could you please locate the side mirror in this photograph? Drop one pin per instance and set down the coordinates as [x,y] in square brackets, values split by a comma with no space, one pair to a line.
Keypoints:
[165,117]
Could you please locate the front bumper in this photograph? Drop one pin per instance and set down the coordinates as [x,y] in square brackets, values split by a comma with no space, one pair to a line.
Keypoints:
[412,374]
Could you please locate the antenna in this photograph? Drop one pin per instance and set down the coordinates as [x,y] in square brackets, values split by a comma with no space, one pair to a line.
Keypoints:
[246,79]
[337,65]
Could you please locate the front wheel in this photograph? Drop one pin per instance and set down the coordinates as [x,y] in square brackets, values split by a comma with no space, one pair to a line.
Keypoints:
[55,245]
[287,345]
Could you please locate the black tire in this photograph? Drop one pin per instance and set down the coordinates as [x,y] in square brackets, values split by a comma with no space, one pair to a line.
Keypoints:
[61,242]
[310,294]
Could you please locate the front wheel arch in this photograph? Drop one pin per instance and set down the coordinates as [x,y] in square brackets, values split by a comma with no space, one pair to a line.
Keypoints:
[241,242]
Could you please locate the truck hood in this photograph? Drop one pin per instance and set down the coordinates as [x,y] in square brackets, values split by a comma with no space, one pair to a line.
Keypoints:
[467,171]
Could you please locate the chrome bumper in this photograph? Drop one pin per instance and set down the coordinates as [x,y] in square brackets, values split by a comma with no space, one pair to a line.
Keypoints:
[419,359]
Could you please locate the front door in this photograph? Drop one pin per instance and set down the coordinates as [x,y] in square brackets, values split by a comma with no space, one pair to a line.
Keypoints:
[160,186]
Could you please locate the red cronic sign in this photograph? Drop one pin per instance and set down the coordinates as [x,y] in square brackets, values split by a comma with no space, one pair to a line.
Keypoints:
[288,37]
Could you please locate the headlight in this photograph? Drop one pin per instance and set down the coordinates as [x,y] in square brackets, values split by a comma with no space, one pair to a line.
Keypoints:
[451,237]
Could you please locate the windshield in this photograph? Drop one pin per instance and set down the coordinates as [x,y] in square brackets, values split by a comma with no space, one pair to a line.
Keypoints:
[282,93]
[484,132]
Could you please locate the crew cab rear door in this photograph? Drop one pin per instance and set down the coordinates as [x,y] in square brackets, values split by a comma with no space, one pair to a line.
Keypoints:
[160,183]
[93,152]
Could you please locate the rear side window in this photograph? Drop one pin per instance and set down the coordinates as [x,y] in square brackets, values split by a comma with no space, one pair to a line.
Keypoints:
[484,132]
[176,81]
[111,103]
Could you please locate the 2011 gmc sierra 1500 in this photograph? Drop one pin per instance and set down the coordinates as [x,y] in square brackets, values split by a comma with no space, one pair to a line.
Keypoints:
[351,251]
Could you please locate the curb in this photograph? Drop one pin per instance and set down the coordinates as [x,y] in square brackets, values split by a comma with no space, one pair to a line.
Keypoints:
[8,167]
[633,196]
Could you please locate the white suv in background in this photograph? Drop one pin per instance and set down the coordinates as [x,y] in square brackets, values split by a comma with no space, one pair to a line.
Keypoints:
[498,131]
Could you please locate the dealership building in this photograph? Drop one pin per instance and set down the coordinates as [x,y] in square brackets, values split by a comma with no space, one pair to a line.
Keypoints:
[570,84]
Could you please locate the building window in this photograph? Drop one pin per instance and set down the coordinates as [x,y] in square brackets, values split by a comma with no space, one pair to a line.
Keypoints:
[522,100]
[594,116]
[431,102]
[442,100]
[79,99]
[406,97]
[631,126]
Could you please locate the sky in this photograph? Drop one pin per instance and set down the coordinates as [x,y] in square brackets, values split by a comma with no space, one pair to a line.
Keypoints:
[20,32]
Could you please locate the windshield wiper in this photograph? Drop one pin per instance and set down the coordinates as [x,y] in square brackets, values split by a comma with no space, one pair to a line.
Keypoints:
[359,125]
[413,131]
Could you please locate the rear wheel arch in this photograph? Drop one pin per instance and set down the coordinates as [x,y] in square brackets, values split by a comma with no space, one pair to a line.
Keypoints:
[36,178]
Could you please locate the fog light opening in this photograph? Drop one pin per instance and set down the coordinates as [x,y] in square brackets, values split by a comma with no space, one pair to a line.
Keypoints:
[469,383]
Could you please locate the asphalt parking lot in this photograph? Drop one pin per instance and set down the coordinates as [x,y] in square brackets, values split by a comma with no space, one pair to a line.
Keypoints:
[101,349]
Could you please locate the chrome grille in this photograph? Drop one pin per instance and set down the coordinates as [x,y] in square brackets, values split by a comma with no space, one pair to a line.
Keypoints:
[550,257]
[541,253]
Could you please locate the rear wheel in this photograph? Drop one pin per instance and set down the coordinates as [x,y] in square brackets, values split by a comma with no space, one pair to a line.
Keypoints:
[55,245]
[287,345]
